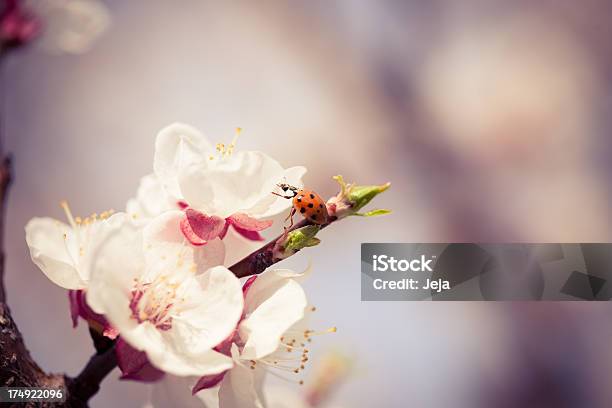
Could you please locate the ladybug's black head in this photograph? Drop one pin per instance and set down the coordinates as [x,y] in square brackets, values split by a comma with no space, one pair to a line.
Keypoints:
[287,187]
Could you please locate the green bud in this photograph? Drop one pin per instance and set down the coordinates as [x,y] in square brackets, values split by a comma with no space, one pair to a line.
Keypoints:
[302,238]
[360,196]
[352,198]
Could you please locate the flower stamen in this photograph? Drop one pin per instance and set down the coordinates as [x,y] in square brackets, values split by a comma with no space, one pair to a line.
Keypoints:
[224,150]
[156,302]
[66,208]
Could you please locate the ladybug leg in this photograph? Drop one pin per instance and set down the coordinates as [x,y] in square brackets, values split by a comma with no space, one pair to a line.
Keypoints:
[290,217]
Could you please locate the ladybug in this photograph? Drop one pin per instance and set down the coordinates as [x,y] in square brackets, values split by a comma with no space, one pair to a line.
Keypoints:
[306,202]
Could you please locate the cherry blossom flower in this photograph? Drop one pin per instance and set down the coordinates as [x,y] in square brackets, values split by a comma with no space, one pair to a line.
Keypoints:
[220,187]
[63,251]
[267,339]
[271,338]
[171,300]
[18,25]
[71,26]
[273,303]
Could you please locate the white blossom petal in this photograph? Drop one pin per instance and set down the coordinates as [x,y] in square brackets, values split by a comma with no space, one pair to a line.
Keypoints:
[230,185]
[206,363]
[176,147]
[47,240]
[116,262]
[241,387]
[151,199]
[274,303]
[173,391]
[284,397]
[167,248]
[213,310]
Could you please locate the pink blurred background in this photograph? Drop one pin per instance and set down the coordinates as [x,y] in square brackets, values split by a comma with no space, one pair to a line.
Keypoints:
[491,120]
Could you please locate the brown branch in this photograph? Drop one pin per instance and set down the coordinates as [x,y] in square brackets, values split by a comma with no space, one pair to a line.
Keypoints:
[5,181]
[17,368]
[87,383]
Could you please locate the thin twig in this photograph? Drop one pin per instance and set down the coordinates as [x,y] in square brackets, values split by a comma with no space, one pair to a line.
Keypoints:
[5,181]
[87,383]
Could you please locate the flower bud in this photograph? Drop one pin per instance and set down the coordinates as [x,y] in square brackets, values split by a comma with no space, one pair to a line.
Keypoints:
[298,239]
[353,198]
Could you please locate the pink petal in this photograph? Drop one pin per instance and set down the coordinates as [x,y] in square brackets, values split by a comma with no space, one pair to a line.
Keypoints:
[226,345]
[200,228]
[80,308]
[134,364]
[245,222]
[207,381]
[225,229]
[250,235]
[73,297]
[189,234]
[247,285]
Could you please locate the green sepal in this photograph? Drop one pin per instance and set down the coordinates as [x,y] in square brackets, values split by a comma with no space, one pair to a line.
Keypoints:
[374,213]
[360,196]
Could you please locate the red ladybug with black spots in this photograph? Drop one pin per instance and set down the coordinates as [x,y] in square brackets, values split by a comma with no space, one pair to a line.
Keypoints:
[306,202]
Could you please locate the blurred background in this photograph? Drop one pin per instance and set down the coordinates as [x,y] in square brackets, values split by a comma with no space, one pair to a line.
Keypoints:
[491,119]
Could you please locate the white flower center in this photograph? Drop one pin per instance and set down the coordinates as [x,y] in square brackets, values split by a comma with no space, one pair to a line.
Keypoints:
[156,302]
